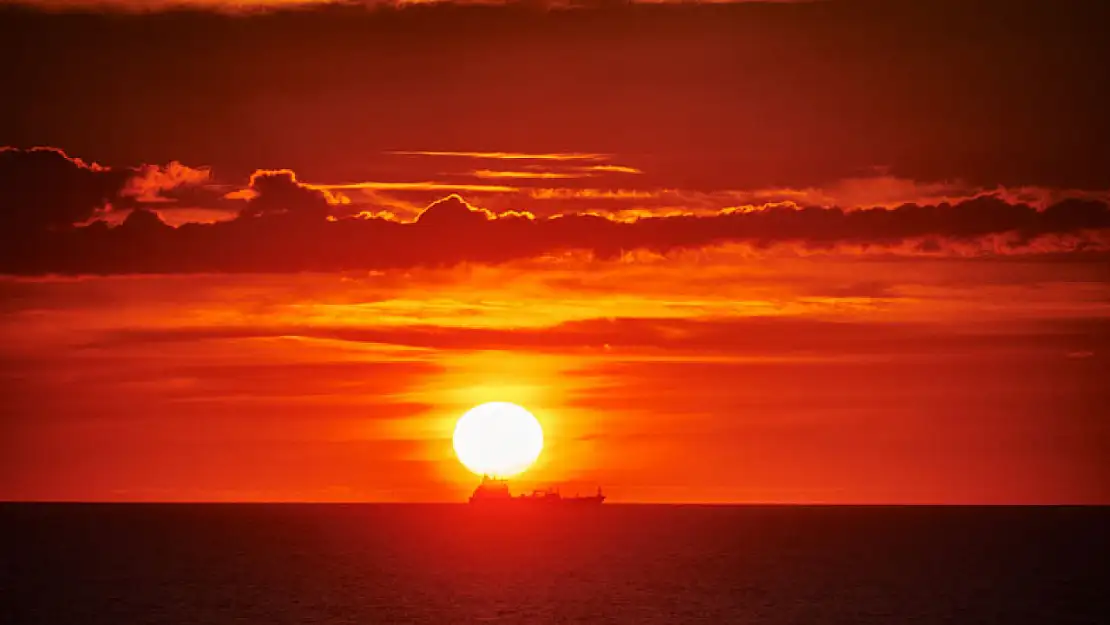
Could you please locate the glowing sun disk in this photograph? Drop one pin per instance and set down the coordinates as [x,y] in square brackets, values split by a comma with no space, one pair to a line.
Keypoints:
[498,439]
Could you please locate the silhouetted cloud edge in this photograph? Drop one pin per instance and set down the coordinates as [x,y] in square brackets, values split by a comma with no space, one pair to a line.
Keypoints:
[49,202]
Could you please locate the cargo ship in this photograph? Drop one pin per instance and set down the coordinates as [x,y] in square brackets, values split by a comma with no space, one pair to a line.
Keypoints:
[494,491]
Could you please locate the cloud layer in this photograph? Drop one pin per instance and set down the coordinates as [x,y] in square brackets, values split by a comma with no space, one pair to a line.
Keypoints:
[49,203]
[63,215]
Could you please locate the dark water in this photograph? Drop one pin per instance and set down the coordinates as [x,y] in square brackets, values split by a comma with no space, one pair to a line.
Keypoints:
[131,564]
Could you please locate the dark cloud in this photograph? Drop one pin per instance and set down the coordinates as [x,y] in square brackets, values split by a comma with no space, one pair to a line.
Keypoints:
[143,222]
[279,193]
[43,188]
[452,212]
[285,228]
[285,225]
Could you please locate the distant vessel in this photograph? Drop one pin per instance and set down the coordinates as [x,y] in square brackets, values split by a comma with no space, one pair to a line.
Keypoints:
[494,491]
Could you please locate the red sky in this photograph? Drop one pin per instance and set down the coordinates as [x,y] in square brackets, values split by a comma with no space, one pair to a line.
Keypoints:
[795,252]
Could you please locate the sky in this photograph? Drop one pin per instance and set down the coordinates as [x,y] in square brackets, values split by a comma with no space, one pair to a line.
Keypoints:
[841,251]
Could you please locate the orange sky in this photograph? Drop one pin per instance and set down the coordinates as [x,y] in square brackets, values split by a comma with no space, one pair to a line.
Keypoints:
[843,252]
[832,377]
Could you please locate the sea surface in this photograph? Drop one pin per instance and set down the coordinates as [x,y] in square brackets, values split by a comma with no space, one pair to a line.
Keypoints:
[442,564]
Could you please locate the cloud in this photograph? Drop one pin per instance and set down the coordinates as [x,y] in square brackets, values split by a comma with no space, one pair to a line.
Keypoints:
[535,172]
[453,212]
[849,193]
[45,188]
[143,222]
[286,227]
[614,169]
[783,336]
[152,183]
[511,156]
[533,166]
[277,192]
[416,186]
[489,173]
[52,204]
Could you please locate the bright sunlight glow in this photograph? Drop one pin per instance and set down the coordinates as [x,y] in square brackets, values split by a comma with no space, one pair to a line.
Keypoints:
[498,439]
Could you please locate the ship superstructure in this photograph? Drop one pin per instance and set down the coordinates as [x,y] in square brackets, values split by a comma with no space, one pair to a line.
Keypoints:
[494,491]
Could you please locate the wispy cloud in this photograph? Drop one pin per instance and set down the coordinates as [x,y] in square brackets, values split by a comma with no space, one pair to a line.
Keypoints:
[152,182]
[614,169]
[511,156]
[489,173]
[414,186]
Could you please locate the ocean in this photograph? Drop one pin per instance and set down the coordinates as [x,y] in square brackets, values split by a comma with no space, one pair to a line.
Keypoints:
[77,564]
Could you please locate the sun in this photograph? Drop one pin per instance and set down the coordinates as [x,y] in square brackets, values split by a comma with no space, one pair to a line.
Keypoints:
[498,439]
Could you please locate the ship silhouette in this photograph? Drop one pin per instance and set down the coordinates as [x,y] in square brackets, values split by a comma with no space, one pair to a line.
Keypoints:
[494,491]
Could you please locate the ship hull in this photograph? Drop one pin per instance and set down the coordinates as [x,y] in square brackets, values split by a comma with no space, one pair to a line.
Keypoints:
[540,502]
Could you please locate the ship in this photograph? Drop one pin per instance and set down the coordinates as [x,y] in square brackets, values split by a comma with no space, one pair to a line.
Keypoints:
[495,491]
